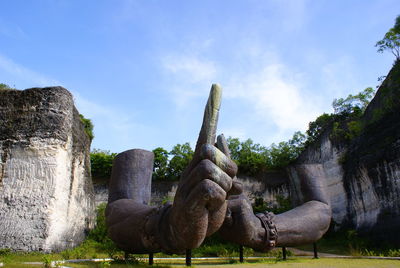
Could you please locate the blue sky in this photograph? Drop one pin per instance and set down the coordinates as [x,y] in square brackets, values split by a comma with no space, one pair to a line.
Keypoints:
[142,70]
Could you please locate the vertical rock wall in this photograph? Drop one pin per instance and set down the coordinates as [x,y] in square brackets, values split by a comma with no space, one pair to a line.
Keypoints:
[363,174]
[46,193]
[326,157]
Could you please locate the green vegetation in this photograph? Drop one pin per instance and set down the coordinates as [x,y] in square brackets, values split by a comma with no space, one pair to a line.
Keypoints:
[5,87]
[353,105]
[253,158]
[170,170]
[160,167]
[391,40]
[88,125]
[101,163]
[277,263]
[181,156]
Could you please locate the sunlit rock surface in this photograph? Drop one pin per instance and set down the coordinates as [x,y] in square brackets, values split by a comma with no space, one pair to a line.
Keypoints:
[363,175]
[46,193]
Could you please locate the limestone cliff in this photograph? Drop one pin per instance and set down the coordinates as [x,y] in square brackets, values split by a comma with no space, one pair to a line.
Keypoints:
[46,193]
[363,174]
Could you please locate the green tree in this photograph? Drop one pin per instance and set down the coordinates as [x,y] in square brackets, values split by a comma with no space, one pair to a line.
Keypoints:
[253,157]
[88,125]
[316,127]
[250,157]
[391,40]
[287,151]
[101,163]
[160,167]
[181,156]
[353,104]
[234,148]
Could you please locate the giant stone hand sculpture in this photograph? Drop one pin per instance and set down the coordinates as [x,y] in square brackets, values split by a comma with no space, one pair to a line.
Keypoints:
[208,199]
[199,207]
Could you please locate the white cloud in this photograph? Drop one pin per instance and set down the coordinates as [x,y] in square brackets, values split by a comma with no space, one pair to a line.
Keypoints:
[189,76]
[191,67]
[271,96]
[276,96]
[23,77]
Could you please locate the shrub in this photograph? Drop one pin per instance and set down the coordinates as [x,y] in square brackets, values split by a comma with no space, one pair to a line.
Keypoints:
[88,126]
[99,233]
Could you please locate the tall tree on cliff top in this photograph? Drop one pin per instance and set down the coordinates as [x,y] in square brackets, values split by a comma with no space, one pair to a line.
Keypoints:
[391,40]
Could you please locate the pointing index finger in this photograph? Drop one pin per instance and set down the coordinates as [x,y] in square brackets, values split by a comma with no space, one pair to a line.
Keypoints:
[210,119]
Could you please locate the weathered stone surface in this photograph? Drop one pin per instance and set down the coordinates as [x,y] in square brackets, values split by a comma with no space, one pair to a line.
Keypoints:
[46,193]
[363,176]
[324,155]
[269,186]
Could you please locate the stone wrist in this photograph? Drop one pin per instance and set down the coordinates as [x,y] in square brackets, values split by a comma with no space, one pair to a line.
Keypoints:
[152,237]
[271,233]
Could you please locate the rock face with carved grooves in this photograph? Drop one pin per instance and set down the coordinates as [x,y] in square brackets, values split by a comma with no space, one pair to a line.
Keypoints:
[46,192]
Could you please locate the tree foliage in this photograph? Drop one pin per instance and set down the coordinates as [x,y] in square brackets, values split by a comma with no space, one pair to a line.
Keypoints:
[160,167]
[181,156]
[249,156]
[285,152]
[101,163]
[391,40]
[316,127]
[253,158]
[353,104]
[346,109]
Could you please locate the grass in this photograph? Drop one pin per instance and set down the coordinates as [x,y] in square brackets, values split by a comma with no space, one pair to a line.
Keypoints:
[98,245]
[292,263]
[349,243]
[326,263]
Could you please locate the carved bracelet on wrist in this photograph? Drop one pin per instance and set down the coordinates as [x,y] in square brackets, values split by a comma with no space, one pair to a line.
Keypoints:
[271,233]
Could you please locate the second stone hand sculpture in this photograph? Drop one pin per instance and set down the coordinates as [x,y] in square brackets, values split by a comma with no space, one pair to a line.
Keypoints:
[208,199]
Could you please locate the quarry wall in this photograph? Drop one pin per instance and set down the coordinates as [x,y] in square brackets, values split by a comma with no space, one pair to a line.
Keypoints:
[46,193]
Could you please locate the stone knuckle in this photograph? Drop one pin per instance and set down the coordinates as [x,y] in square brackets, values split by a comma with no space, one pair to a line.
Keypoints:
[207,150]
[206,168]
